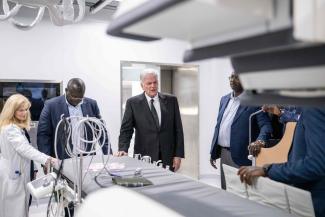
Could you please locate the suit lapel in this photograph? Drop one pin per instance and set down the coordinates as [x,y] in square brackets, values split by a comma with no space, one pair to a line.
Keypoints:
[84,108]
[163,109]
[224,106]
[239,112]
[65,110]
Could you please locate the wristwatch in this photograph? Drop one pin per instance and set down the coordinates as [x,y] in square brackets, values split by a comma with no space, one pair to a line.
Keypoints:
[266,169]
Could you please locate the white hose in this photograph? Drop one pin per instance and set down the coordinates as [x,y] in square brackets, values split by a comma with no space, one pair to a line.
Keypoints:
[78,134]
[7,12]
[61,12]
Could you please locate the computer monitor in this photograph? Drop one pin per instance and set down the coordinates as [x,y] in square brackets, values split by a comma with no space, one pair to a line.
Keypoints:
[36,91]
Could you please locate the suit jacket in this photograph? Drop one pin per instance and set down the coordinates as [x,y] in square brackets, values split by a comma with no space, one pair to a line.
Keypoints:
[306,164]
[261,129]
[149,139]
[49,119]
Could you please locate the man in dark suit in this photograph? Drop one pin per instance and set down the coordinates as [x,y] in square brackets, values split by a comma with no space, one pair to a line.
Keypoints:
[73,103]
[305,167]
[231,136]
[156,119]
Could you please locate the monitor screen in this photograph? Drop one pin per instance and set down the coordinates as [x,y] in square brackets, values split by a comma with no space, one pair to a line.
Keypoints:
[36,92]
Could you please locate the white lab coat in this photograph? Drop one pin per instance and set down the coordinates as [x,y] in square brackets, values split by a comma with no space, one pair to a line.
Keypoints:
[16,155]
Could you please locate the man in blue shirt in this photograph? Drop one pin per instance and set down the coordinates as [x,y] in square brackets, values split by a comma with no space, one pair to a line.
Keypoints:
[231,135]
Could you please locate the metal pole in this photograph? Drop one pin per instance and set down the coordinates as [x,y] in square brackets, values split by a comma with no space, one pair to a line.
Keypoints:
[250,156]
[80,178]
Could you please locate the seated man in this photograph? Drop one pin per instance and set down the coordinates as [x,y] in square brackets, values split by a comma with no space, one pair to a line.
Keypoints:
[284,115]
[306,164]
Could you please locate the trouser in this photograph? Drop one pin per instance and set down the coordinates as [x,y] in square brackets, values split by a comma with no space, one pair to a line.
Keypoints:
[225,158]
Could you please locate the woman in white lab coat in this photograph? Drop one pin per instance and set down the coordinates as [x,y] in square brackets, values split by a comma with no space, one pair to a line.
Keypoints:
[16,156]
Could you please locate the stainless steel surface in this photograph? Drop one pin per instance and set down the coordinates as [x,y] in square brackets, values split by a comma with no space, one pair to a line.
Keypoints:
[185,87]
[166,80]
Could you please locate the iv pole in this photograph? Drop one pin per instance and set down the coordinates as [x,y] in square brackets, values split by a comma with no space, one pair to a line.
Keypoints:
[250,156]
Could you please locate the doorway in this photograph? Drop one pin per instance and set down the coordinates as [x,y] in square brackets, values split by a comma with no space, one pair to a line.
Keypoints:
[181,81]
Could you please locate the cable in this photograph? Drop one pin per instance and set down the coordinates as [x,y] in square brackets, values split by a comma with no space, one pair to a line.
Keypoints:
[83,125]
[53,190]
[58,174]
[76,129]
[103,175]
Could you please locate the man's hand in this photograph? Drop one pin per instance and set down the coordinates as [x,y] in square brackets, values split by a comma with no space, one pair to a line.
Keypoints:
[34,174]
[121,153]
[272,109]
[213,163]
[247,174]
[51,162]
[45,170]
[176,163]
[255,147]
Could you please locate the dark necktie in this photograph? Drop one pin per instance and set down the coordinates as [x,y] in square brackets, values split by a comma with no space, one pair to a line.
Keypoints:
[154,112]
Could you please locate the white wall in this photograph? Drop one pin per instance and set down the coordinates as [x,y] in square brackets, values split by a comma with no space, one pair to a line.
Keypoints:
[84,50]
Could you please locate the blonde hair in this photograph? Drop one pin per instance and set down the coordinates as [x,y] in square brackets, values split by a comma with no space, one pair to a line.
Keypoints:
[13,103]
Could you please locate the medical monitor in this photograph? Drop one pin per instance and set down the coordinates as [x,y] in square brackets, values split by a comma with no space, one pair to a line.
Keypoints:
[37,91]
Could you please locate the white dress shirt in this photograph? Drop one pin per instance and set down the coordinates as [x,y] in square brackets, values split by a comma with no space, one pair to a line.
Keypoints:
[75,111]
[156,104]
[227,120]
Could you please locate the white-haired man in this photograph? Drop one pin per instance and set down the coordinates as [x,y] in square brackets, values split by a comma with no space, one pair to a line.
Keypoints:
[156,119]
